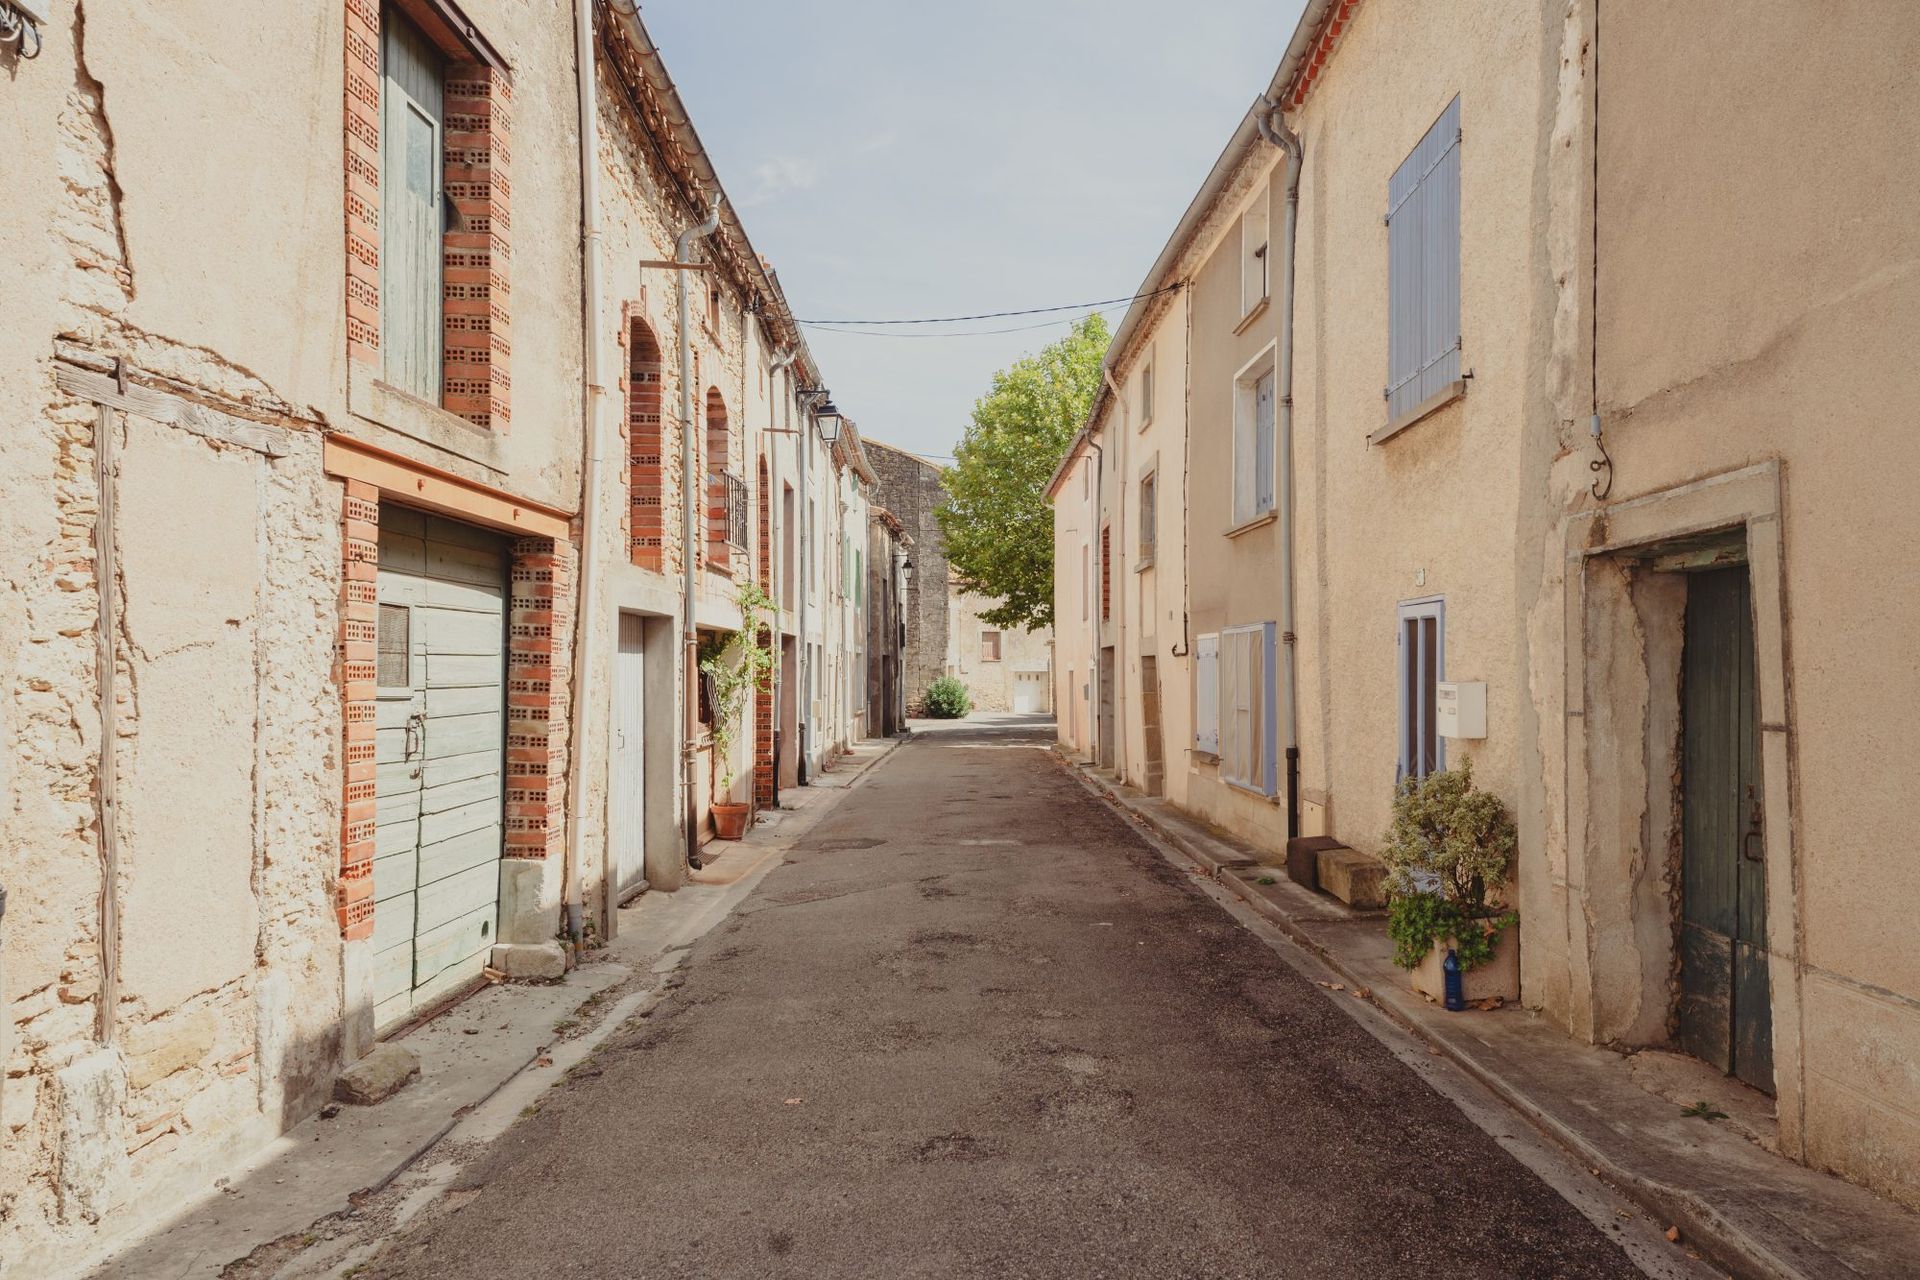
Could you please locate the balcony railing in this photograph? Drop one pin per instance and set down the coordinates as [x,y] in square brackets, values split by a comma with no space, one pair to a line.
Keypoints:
[727,508]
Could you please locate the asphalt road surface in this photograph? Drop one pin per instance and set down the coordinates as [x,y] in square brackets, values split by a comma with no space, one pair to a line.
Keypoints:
[973,1026]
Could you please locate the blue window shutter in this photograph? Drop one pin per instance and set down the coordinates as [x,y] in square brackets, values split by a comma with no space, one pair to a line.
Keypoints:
[1423,270]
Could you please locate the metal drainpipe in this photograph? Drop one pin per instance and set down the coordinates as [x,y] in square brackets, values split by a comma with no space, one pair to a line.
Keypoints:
[1277,134]
[587,620]
[1119,580]
[804,511]
[689,498]
[1093,590]
[782,361]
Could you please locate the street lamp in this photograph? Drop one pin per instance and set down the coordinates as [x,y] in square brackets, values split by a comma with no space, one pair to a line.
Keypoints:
[829,419]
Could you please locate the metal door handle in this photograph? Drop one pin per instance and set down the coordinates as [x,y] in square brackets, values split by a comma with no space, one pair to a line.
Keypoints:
[416,733]
[1746,846]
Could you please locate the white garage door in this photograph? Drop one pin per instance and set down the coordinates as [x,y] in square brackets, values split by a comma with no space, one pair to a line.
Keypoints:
[439,751]
[1029,692]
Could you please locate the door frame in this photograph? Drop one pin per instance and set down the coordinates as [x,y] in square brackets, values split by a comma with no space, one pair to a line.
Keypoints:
[1608,884]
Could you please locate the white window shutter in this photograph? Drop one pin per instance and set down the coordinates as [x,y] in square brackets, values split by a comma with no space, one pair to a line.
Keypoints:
[1206,694]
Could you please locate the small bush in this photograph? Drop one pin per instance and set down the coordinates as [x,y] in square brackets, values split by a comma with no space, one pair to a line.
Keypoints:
[947,699]
[1450,847]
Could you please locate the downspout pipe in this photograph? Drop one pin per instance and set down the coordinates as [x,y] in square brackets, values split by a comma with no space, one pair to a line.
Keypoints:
[1272,122]
[689,549]
[1119,581]
[1098,562]
[587,629]
[782,361]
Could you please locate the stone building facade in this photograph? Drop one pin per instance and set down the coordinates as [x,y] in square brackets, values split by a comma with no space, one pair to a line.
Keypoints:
[909,487]
[293,550]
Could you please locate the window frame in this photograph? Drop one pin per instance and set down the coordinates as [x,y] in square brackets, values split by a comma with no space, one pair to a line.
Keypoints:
[1424,298]
[1145,380]
[1415,722]
[1246,384]
[1261,774]
[984,655]
[1147,522]
[1256,258]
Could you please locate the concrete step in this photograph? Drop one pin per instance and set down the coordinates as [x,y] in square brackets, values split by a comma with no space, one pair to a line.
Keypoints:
[1357,879]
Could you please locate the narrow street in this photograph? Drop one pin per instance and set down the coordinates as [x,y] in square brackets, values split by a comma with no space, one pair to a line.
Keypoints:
[976,1026]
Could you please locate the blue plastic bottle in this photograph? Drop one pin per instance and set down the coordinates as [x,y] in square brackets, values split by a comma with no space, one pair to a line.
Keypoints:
[1456,989]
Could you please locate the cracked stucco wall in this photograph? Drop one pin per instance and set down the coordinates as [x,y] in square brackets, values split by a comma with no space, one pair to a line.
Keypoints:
[131,244]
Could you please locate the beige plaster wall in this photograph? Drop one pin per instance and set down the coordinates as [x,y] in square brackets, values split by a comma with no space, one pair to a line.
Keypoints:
[1758,297]
[1073,603]
[991,683]
[1430,511]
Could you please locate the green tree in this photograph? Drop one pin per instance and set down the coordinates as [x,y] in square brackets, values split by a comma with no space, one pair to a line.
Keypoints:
[996,519]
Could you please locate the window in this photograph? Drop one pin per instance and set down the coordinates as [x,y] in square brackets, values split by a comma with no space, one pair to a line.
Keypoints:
[1149,516]
[393,650]
[1247,728]
[1106,572]
[1206,695]
[1146,393]
[1086,583]
[1422,667]
[713,311]
[412,207]
[1423,276]
[1253,255]
[1253,440]
[989,646]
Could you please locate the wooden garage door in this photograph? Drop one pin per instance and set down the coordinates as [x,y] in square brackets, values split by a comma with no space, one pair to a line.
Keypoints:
[440,740]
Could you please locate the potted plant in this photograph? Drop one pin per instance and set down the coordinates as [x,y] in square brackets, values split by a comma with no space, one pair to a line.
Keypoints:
[734,666]
[1449,852]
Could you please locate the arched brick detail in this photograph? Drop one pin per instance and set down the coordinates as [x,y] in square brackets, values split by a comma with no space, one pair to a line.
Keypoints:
[719,456]
[646,450]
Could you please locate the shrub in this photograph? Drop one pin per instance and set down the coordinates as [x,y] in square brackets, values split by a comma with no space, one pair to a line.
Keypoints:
[1448,847]
[948,699]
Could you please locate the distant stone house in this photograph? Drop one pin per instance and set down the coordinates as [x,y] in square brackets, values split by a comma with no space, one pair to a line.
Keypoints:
[1004,669]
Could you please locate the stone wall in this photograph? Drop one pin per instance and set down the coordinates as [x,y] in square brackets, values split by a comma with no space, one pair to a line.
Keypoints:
[910,487]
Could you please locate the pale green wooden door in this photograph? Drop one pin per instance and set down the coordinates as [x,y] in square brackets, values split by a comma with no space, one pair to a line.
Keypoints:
[440,740]
[412,217]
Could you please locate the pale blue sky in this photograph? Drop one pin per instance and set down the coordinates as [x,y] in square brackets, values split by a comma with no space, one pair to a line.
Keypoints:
[901,158]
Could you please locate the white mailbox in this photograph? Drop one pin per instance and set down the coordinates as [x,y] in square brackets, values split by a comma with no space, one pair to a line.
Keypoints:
[1460,709]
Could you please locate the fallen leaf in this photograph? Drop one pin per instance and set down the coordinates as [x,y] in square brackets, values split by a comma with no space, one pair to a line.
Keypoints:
[1673,1234]
[1339,986]
[794,1102]
[1364,993]
[543,1061]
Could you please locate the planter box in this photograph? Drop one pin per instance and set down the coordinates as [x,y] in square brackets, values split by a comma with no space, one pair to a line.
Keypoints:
[1499,976]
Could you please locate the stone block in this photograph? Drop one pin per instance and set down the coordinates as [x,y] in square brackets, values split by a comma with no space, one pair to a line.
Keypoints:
[1357,879]
[1303,858]
[529,899]
[157,1049]
[91,1095]
[530,961]
[378,1076]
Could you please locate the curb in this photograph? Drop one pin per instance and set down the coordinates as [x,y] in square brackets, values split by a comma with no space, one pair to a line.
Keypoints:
[1718,1240]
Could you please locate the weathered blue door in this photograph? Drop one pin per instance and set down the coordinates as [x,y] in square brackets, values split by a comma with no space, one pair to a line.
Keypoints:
[1725,1010]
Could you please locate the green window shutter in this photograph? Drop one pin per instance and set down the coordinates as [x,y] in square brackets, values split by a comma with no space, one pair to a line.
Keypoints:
[412,136]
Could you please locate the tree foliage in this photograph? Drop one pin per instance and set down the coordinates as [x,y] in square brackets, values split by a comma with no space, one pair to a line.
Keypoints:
[996,519]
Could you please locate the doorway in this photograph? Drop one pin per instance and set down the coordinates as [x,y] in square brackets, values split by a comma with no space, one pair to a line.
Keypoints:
[1105,730]
[628,781]
[1155,779]
[1725,1014]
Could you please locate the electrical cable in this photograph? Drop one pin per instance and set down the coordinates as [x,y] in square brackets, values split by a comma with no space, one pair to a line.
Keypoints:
[1001,315]
[819,327]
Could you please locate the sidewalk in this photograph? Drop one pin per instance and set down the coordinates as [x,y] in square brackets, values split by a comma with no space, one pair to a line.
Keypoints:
[328,1190]
[1746,1208]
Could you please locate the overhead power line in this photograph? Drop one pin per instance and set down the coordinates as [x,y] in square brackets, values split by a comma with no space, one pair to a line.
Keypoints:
[1002,315]
[819,327]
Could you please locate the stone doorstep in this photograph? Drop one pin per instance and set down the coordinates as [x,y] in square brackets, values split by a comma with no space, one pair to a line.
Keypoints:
[1754,1212]
[1357,879]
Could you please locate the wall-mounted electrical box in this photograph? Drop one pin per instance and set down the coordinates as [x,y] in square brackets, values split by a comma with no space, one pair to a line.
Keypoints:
[1460,709]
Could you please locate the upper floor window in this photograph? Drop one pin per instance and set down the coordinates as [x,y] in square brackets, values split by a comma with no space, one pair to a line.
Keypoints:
[1423,277]
[1253,455]
[1149,516]
[1253,255]
[413,208]
[989,646]
[1146,392]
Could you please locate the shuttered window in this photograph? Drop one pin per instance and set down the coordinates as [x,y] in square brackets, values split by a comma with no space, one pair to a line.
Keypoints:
[1423,275]
[411,209]
[1206,694]
[1253,455]
[1253,255]
[1149,516]
[1247,728]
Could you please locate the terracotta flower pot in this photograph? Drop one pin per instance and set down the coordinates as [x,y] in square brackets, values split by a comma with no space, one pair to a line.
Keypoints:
[1498,977]
[729,821]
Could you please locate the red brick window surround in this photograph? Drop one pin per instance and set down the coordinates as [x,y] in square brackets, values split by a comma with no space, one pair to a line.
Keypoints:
[476,248]
[646,450]
[719,456]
